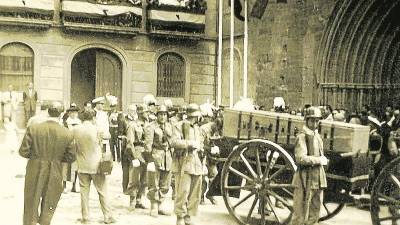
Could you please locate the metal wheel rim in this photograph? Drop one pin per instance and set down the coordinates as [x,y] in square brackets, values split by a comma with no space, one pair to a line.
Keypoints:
[261,190]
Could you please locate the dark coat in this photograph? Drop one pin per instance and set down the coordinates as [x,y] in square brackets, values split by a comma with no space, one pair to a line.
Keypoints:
[30,101]
[46,145]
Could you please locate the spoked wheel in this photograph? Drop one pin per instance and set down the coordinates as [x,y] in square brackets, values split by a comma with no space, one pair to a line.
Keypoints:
[256,183]
[385,197]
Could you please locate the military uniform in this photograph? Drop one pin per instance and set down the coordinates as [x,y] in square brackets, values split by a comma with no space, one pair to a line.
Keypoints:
[158,139]
[207,131]
[113,121]
[309,179]
[126,162]
[137,174]
[188,169]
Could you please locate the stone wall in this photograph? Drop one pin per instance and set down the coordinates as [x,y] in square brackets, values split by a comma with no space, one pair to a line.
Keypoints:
[283,46]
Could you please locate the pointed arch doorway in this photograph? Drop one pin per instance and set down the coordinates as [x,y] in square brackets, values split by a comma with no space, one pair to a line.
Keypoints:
[95,72]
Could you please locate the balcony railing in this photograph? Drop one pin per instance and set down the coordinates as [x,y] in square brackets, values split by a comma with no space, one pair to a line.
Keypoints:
[28,15]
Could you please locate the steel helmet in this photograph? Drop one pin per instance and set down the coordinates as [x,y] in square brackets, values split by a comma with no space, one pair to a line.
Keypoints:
[312,112]
[142,108]
[193,110]
[162,108]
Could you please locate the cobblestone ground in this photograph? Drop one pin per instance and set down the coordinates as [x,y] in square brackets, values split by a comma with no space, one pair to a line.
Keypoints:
[12,169]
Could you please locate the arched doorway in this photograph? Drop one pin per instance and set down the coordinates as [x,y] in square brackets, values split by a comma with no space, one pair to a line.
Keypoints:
[95,72]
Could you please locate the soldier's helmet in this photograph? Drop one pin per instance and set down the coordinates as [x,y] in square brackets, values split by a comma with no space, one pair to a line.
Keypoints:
[142,108]
[132,107]
[193,110]
[312,112]
[161,109]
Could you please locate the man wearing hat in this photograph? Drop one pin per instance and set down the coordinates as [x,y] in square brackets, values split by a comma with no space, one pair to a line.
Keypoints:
[158,154]
[151,103]
[188,166]
[102,121]
[135,148]
[310,178]
[46,145]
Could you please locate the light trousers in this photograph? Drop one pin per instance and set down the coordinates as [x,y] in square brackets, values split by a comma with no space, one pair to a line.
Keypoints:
[188,194]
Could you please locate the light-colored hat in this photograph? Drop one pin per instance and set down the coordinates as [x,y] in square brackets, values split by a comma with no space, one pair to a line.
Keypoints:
[313,112]
[149,100]
[99,100]
[112,100]
[142,108]
[193,110]
[162,108]
[206,109]
[132,107]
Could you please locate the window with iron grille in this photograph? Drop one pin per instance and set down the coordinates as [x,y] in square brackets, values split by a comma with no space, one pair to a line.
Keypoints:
[16,66]
[171,75]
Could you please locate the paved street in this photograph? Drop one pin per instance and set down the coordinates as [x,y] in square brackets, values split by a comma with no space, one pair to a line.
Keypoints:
[12,168]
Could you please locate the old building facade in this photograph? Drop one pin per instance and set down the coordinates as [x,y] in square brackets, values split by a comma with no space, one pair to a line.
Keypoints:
[73,53]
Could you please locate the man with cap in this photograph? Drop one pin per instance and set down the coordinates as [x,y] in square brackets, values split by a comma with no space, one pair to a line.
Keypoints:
[102,122]
[46,145]
[123,124]
[135,148]
[158,154]
[188,166]
[310,178]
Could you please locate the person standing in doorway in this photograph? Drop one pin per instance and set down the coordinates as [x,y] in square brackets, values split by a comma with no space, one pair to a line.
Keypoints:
[30,99]
[46,145]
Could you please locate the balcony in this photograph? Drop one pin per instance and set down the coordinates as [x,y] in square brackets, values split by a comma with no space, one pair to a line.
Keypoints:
[37,14]
[120,17]
[179,19]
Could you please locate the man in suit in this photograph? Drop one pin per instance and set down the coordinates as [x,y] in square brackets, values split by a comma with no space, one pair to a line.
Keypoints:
[88,138]
[46,145]
[30,98]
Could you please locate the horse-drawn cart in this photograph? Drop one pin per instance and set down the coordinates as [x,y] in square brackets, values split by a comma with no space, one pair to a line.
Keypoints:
[257,149]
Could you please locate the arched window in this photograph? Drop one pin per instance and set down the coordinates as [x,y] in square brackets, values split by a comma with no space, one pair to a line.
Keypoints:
[171,76]
[16,66]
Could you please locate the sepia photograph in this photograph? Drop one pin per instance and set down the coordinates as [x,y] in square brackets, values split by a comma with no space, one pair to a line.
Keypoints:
[200,112]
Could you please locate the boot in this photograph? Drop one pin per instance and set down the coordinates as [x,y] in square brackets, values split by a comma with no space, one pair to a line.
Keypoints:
[154,209]
[139,204]
[180,221]
[212,199]
[132,201]
[187,220]
[162,211]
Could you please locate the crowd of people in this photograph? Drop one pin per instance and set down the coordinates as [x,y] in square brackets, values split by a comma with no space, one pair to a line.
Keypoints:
[159,146]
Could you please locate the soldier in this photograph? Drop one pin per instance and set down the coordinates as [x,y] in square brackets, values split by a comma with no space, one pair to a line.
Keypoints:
[151,103]
[188,148]
[123,124]
[310,178]
[209,130]
[113,120]
[135,147]
[158,154]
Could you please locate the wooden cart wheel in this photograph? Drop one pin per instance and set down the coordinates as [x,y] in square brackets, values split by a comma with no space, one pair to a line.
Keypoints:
[329,210]
[385,196]
[256,183]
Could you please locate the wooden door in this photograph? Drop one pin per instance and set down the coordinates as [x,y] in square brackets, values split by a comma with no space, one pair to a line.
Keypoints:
[108,75]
